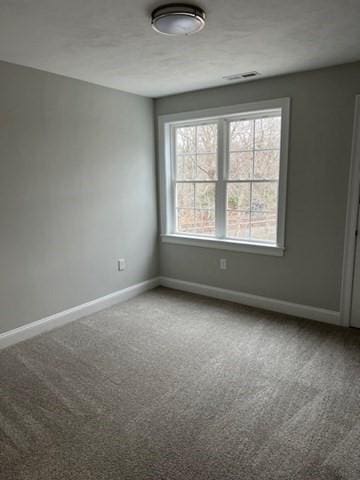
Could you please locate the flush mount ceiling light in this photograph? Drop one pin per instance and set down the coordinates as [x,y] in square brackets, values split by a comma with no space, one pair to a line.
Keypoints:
[178,19]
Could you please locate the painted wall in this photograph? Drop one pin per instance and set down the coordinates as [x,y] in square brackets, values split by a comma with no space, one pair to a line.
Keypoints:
[77,192]
[322,107]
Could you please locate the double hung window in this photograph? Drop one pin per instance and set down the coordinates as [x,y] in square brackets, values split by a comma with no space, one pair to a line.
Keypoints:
[225,178]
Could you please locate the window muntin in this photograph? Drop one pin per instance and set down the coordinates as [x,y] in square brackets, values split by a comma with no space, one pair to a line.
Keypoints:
[196,165]
[226,178]
[254,167]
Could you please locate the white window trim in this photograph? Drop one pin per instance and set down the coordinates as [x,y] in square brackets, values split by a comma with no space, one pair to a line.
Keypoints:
[166,174]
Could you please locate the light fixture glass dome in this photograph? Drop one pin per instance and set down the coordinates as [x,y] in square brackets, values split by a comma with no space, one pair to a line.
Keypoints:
[178,19]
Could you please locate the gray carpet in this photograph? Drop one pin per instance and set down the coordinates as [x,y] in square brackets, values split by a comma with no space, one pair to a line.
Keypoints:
[179,387]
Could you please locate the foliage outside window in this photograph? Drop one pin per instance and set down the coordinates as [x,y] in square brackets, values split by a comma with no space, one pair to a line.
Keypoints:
[252,178]
[225,177]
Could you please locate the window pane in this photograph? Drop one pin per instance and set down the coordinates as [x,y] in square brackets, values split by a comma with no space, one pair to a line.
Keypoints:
[195,208]
[241,166]
[263,226]
[206,138]
[206,167]
[238,224]
[267,133]
[266,165]
[205,222]
[264,196]
[205,195]
[196,157]
[251,185]
[238,196]
[185,220]
[185,140]
[241,135]
[185,195]
[185,167]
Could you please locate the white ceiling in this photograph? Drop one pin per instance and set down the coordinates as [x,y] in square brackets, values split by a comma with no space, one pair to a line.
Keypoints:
[111,42]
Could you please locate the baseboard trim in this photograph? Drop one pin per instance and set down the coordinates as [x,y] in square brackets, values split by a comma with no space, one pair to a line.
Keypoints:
[33,329]
[281,306]
[58,319]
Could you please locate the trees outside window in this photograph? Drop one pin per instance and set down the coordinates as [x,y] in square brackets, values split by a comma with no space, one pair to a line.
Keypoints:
[224,175]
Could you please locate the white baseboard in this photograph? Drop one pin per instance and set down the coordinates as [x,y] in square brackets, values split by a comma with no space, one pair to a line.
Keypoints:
[58,319]
[304,311]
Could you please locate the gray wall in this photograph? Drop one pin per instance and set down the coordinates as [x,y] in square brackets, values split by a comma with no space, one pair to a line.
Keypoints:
[320,143]
[77,191]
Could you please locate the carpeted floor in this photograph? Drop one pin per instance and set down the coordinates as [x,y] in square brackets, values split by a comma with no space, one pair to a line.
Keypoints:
[172,386]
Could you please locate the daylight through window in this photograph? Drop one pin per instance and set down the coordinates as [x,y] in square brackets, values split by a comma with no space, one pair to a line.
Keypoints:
[226,177]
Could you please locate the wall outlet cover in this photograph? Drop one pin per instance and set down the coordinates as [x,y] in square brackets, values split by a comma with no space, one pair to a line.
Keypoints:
[223,264]
[121,264]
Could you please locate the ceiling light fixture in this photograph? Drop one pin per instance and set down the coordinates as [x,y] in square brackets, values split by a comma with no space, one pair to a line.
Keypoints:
[178,19]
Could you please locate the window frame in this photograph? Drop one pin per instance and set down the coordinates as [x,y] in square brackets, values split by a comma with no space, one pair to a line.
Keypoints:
[167,125]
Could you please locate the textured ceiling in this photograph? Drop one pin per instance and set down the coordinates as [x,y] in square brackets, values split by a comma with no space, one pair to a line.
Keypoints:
[111,42]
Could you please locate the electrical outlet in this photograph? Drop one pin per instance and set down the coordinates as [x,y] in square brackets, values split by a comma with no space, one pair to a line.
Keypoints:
[223,264]
[121,264]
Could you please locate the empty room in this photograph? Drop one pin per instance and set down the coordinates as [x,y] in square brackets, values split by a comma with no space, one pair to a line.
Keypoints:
[179,248]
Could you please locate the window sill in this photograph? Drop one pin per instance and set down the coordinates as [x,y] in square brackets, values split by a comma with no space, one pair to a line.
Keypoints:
[231,245]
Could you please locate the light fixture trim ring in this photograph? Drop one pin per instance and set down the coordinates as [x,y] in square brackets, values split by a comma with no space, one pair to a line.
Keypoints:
[178,9]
